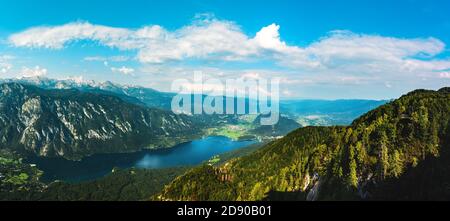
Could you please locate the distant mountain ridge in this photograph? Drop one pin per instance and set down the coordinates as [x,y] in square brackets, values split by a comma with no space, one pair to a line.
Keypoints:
[305,112]
[131,93]
[328,112]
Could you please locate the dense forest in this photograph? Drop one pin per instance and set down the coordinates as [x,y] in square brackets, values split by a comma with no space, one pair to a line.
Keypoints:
[121,185]
[397,151]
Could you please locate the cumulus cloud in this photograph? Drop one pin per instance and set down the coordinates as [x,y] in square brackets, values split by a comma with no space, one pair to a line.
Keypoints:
[224,40]
[33,72]
[205,39]
[56,37]
[342,48]
[123,70]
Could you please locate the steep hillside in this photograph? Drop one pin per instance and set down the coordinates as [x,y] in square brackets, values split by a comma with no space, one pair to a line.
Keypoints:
[73,124]
[393,147]
[284,126]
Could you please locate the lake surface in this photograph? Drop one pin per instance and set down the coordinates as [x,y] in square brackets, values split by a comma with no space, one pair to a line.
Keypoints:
[99,165]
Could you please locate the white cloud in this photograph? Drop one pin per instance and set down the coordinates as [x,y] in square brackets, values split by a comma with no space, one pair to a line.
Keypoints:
[5,67]
[269,38]
[118,58]
[342,48]
[56,37]
[224,40]
[95,58]
[123,70]
[106,60]
[387,84]
[6,57]
[33,72]
[444,75]
[5,64]
[204,39]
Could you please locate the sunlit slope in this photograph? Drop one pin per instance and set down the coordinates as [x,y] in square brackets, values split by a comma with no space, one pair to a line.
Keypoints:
[354,162]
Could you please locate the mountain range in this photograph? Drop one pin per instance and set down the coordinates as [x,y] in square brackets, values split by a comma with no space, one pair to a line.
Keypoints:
[307,111]
[72,124]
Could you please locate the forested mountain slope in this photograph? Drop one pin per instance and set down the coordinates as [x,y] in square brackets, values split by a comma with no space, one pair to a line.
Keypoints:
[397,151]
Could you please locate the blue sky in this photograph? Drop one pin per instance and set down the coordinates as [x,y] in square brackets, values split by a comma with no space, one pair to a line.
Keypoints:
[320,49]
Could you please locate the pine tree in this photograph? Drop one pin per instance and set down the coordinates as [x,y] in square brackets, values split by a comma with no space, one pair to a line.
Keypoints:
[384,156]
[397,164]
[353,177]
[258,192]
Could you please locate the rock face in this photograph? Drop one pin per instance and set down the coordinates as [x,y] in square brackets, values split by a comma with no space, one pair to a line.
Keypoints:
[73,124]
